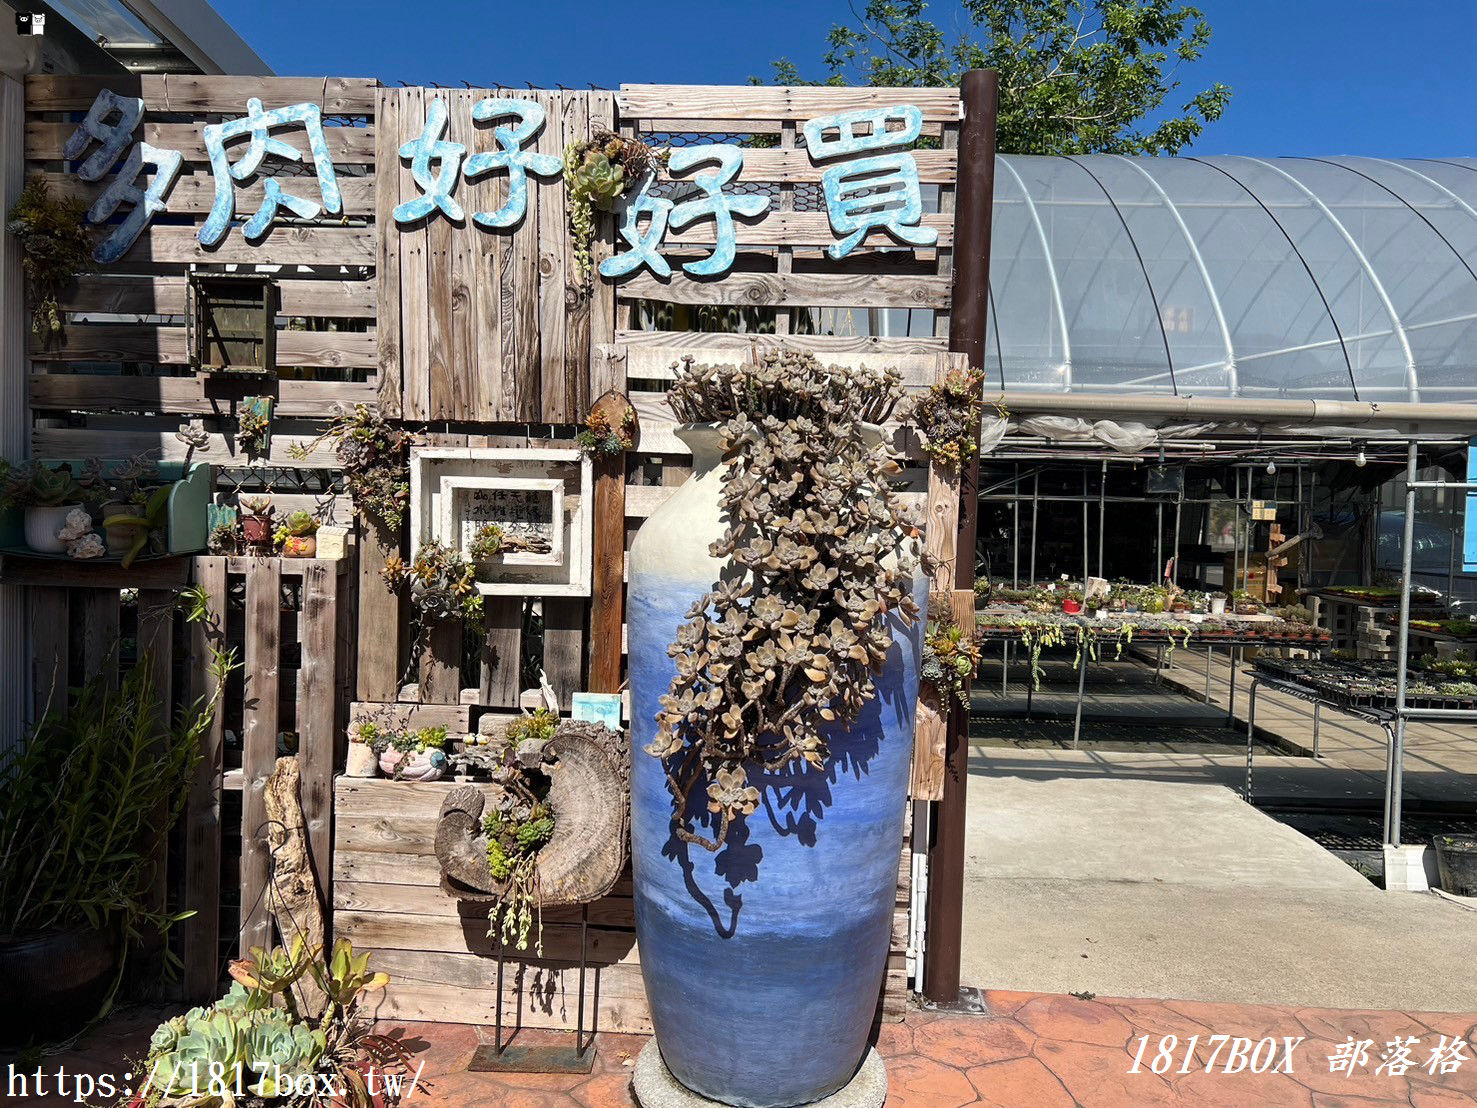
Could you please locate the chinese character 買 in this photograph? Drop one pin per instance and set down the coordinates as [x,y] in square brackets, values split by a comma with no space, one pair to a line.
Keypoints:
[1447,1057]
[1348,1055]
[645,245]
[880,191]
[112,138]
[258,125]
[147,202]
[421,151]
[1396,1057]
[714,202]
[511,156]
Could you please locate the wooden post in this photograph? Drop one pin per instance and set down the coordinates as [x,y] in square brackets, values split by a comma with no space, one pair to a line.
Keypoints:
[607,586]
[156,650]
[15,408]
[968,313]
[203,813]
[317,712]
[502,650]
[378,640]
[259,743]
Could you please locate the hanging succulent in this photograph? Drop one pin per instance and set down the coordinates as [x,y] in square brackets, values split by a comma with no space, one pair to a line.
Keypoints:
[603,436]
[786,649]
[950,658]
[442,583]
[597,171]
[56,245]
[948,414]
[373,454]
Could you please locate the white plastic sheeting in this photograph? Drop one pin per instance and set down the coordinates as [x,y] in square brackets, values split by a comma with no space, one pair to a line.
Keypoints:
[1334,278]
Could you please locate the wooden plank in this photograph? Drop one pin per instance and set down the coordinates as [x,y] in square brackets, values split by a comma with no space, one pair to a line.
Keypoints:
[84,442]
[564,646]
[193,194]
[378,615]
[777,102]
[439,1003]
[415,334]
[427,898]
[774,228]
[156,653]
[259,744]
[319,244]
[577,301]
[182,92]
[462,929]
[475,973]
[602,293]
[18,569]
[98,392]
[201,894]
[441,364]
[99,634]
[607,586]
[807,290]
[289,567]
[50,619]
[387,273]
[488,400]
[329,297]
[651,354]
[441,662]
[520,318]
[778,164]
[346,145]
[142,342]
[502,649]
[553,392]
[462,369]
[317,715]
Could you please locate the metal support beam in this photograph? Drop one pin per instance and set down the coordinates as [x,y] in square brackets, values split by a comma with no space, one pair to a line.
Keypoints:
[1395,766]
[979,95]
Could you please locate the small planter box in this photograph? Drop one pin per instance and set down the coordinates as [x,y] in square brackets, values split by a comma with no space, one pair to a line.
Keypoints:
[186,531]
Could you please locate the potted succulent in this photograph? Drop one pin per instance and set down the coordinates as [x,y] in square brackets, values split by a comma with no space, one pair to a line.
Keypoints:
[1217,603]
[47,495]
[484,548]
[418,755]
[105,780]
[256,522]
[298,535]
[363,761]
[774,653]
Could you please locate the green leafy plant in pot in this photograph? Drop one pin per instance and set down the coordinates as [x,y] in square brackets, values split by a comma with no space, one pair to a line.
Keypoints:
[72,898]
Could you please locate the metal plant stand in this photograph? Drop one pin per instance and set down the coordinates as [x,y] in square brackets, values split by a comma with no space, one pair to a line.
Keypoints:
[509,1057]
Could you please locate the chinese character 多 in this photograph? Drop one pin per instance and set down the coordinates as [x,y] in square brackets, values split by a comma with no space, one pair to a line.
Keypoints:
[429,146]
[511,156]
[880,191]
[257,125]
[111,138]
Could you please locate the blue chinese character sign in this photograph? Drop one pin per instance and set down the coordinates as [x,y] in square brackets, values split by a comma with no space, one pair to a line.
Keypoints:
[879,192]
[436,188]
[146,202]
[511,156]
[111,138]
[258,126]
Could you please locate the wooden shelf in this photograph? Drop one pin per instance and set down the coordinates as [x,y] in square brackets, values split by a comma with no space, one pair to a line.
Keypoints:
[95,573]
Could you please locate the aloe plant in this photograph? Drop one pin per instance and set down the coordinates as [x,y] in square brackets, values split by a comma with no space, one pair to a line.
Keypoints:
[155,517]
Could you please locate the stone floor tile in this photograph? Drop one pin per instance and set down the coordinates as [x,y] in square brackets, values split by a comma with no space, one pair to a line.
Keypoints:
[896,1038]
[1323,1023]
[1433,1096]
[1079,1021]
[1002,1002]
[1251,1021]
[1237,1090]
[915,1082]
[1330,1100]
[974,1041]
[606,1090]
[1154,1018]
[1311,1068]
[1097,1077]
[1019,1083]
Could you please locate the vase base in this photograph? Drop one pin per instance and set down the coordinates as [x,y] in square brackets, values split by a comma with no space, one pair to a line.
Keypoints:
[655,1087]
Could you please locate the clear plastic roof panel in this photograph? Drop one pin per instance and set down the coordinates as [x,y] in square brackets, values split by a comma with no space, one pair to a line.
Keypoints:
[1334,278]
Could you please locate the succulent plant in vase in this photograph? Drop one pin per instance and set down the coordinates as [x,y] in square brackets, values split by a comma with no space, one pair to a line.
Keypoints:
[256,522]
[298,535]
[47,496]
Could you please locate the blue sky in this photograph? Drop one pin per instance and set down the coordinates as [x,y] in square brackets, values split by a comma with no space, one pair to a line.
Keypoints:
[1378,77]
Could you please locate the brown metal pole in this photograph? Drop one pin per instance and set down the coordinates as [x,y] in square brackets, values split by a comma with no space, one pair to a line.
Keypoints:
[973,201]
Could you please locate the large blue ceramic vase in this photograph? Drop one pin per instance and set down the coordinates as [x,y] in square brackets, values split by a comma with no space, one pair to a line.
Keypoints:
[762,961]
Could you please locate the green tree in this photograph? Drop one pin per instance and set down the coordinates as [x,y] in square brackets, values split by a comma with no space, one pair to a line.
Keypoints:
[1076,76]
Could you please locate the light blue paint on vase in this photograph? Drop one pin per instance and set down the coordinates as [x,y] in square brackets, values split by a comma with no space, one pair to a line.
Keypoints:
[762,962]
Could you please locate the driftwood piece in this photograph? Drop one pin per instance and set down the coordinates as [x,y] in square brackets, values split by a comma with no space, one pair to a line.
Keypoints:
[292,893]
[589,773]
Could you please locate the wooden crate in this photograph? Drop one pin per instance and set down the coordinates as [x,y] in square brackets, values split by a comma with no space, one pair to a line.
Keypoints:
[387,898]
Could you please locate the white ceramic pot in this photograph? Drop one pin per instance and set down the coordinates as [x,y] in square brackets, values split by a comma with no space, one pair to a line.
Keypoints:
[42,524]
[1217,605]
[362,761]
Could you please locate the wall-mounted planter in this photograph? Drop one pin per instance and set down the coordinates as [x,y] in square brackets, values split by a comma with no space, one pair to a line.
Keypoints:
[187,511]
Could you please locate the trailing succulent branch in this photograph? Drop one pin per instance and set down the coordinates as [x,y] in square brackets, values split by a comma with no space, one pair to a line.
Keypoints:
[773,659]
[948,415]
[375,457]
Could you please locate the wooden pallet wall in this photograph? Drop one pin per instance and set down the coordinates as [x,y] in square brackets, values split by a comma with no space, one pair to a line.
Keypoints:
[120,382]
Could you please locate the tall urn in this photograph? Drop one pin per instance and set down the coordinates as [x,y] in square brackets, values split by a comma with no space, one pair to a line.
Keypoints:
[762,961]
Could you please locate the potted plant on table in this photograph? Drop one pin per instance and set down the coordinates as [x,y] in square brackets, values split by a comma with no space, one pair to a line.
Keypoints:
[774,651]
[256,522]
[363,759]
[1217,603]
[47,495]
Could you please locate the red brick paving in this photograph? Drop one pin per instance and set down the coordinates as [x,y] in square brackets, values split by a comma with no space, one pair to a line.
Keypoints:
[1025,1051]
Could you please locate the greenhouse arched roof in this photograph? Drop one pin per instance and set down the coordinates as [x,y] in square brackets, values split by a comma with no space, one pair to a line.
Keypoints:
[1343,278]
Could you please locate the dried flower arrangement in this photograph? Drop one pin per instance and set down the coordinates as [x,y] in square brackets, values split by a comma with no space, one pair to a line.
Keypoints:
[775,657]
[601,436]
[374,455]
[56,245]
[597,172]
[948,414]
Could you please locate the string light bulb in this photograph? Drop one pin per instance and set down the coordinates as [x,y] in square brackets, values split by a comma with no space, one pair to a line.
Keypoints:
[1271,467]
[1361,460]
